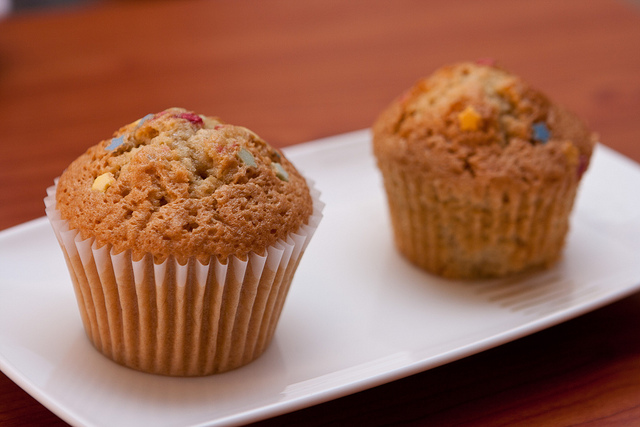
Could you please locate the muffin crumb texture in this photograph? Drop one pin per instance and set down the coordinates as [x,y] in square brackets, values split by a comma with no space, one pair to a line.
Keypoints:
[181,184]
[480,171]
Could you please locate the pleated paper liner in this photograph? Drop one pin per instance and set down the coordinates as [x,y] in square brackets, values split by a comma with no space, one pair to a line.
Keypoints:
[181,320]
[500,232]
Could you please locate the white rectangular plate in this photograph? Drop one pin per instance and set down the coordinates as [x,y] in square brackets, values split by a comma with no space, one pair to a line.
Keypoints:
[357,316]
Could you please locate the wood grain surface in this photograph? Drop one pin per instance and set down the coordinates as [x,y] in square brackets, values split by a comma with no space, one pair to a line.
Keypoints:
[294,71]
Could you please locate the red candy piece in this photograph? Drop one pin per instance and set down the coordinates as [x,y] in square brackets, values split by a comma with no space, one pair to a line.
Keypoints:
[583,162]
[490,62]
[193,118]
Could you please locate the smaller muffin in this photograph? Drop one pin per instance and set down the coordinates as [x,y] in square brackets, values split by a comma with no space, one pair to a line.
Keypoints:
[182,235]
[480,171]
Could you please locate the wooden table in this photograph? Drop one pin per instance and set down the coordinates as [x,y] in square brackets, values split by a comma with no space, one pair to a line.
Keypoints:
[295,71]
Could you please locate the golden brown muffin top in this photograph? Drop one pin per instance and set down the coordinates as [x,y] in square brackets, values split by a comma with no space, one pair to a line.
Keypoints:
[182,184]
[481,122]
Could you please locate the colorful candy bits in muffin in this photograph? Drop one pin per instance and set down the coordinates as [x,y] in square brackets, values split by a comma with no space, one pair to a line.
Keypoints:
[480,172]
[182,235]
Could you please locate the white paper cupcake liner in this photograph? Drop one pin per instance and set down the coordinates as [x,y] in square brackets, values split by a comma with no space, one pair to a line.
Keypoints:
[181,320]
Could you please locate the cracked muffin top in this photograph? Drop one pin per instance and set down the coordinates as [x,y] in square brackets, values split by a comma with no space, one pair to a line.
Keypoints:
[181,184]
[478,122]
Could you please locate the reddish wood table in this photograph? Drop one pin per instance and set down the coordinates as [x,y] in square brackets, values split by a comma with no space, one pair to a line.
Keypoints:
[295,71]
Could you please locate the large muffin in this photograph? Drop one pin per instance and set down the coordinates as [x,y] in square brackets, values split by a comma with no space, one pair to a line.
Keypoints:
[182,234]
[480,171]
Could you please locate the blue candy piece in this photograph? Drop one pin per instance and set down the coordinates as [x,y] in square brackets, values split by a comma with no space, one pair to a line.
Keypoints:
[541,132]
[116,142]
[144,119]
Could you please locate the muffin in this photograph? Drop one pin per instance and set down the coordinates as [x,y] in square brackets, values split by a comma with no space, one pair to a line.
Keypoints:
[182,235]
[480,172]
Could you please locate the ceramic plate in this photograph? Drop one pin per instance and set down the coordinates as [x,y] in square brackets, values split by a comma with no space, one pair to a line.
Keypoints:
[358,314]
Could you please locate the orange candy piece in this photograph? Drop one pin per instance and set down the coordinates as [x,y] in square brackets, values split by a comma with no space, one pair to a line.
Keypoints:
[469,119]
